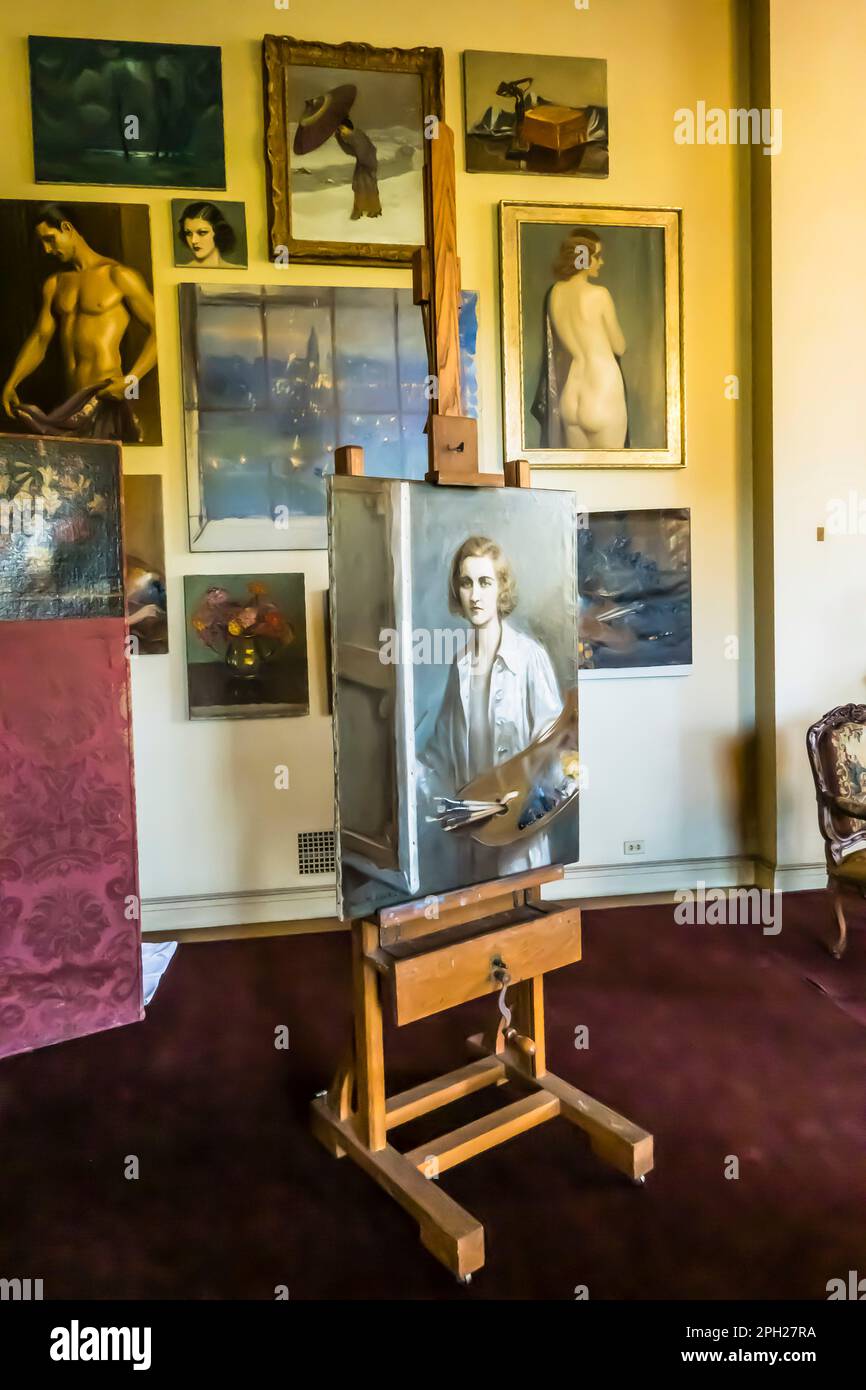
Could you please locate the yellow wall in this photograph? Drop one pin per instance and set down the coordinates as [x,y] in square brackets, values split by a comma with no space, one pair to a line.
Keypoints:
[663,755]
[818,215]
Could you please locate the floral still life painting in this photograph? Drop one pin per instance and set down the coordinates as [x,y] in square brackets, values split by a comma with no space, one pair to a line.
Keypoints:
[246,646]
[60,538]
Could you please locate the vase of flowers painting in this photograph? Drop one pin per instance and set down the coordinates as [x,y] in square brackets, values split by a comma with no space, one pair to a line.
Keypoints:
[246,646]
[248,633]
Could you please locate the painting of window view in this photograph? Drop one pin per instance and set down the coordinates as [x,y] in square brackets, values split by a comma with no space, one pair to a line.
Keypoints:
[278,377]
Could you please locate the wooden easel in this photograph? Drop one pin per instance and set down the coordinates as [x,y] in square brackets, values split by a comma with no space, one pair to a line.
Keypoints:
[434,954]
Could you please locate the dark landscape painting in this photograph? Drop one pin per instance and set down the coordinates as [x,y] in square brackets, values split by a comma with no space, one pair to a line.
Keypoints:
[147,115]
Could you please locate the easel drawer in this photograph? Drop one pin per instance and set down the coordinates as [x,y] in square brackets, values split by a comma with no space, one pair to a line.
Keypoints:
[430,980]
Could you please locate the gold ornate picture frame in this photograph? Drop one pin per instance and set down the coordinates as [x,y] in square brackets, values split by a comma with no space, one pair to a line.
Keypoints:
[592,343]
[347,130]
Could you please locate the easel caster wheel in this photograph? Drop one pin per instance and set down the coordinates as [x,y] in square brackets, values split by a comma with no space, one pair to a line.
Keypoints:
[837,955]
[639,1182]
[320,1095]
[464,1278]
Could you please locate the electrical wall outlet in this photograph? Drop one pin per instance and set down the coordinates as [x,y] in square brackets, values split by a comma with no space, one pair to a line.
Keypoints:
[634,846]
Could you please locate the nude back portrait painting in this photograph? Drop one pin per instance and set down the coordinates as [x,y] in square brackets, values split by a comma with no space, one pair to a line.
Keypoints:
[78,339]
[455,657]
[591,326]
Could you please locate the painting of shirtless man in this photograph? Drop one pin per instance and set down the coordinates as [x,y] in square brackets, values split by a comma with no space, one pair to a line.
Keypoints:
[78,342]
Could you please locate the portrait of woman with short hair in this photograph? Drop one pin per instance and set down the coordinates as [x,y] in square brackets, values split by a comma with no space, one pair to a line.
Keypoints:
[209,236]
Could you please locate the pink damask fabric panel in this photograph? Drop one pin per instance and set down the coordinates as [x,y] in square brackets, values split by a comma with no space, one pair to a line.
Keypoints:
[70,954]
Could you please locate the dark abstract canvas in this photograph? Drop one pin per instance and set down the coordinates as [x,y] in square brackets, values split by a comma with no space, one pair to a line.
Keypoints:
[78,334]
[246,646]
[140,114]
[635,585]
[275,378]
[60,539]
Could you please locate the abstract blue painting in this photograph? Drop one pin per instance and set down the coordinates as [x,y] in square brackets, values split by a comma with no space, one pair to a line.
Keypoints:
[634,580]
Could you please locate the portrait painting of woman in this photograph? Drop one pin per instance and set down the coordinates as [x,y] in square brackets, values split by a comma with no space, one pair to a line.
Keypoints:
[591,331]
[501,692]
[208,235]
[455,670]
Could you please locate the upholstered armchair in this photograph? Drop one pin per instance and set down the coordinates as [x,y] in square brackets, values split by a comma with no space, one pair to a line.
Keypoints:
[837,753]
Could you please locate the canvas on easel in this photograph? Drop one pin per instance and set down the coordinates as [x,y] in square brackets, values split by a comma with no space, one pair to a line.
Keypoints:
[455,675]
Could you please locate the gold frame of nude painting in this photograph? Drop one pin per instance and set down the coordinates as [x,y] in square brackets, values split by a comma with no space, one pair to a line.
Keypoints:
[279,55]
[513,217]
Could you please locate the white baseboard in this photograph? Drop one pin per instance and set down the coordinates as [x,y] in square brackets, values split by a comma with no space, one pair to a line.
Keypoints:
[238,909]
[628,881]
[661,876]
[791,878]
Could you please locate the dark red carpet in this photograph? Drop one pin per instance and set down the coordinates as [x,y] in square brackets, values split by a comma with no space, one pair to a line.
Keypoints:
[713,1037]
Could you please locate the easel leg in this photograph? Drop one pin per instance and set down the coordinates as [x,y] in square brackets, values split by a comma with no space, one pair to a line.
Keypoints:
[529,1021]
[339,1100]
[368,1038]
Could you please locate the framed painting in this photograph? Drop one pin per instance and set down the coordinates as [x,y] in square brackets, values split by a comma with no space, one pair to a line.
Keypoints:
[145,564]
[634,575]
[592,336]
[454,651]
[346,134]
[246,646]
[78,334]
[209,235]
[531,114]
[61,552]
[148,115]
[275,378]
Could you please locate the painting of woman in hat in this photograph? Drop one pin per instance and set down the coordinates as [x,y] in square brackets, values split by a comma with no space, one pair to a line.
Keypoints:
[328,115]
[346,149]
[365,185]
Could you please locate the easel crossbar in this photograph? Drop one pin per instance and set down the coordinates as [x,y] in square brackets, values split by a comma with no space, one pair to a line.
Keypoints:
[485,1133]
[442,1090]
